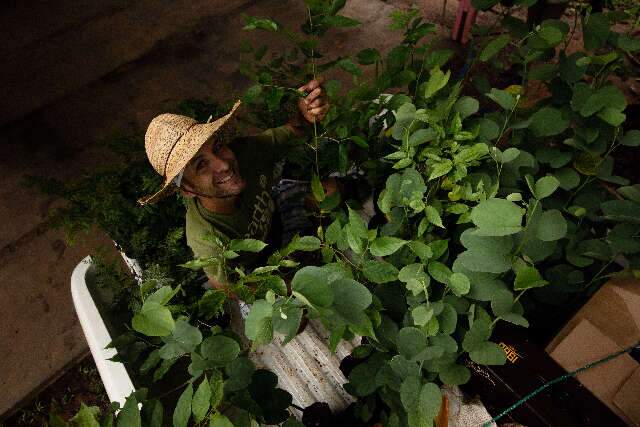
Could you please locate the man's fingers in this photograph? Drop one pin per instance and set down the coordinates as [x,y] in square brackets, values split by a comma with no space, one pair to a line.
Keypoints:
[310,86]
[313,96]
[319,110]
[316,103]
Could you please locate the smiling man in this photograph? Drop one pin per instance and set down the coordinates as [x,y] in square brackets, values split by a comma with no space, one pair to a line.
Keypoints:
[227,180]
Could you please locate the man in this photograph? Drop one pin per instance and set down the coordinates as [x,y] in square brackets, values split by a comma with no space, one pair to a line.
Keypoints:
[228,187]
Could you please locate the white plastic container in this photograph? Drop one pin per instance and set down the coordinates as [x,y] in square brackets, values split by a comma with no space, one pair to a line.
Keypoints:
[114,375]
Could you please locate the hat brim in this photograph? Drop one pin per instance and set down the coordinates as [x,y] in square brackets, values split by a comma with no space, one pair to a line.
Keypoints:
[185,149]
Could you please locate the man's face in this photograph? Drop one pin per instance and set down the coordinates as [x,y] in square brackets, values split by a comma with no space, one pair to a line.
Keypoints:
[214,172]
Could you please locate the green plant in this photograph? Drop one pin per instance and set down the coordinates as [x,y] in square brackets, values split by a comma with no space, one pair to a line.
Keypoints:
[483,205]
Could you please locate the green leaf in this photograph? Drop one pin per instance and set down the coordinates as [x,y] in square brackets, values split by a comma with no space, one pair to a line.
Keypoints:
[349,66]
[437,80]
[252,93]
[368,56]
[163,295]
[216,384]
[273,97]
[479,332]
[350,300]
[421,314]
[316,188]
[247,245]
[631,192]
[306,244]
[454,374]
[386,245]
[605,97]
[466,106]
[448,319]
[502,302]
[551,34]
[130,414]
[621,210]
[552,226]
[439,271]
[183,339]
[439,169]
[379,271]
[288,325]
[152,413]
[596,31]
[543,72]
[340,21]
[86,416]
[182,412]
[568,178]
[548,121]
[357,224]
[488,353]
[433,216]
[421,136]
[219,349]
[497,217]
[153,320]
[423,251]
[494,46]
[486,254]
[429,402]
[459,284]
[253,23]
[163,369]
[151,362]
[201,400]
[258,324]
[333,232]
[311,284]
[612,116]
[411,342]
[219,420]
[527,278]
[502,98]
[240,372]
[546,186]
[631,138]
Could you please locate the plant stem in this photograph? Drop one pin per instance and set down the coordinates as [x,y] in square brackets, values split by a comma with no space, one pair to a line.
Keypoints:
[313,72]
[526,227]
[597,275]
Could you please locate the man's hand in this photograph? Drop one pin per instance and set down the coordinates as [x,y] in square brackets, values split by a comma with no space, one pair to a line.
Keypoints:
[314,106]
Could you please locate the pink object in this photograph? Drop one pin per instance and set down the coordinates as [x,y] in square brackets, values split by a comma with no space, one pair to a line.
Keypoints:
[465,17]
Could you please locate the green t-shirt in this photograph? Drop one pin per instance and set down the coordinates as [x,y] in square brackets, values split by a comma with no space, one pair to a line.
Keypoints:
[259,159]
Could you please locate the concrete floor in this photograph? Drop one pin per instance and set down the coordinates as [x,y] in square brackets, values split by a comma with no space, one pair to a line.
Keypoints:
[58,136]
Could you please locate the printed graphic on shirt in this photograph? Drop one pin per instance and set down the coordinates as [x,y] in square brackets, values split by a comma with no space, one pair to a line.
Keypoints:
[260,217]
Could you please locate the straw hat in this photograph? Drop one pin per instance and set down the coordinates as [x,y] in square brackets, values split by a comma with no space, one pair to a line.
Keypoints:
[171,141]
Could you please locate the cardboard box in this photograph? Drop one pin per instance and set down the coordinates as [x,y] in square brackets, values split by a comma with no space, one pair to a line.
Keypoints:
[608,322]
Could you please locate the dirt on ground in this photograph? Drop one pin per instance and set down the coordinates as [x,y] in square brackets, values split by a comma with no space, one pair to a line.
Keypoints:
[81,384]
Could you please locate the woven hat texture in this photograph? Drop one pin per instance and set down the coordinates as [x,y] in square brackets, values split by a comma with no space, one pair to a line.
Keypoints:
[172,140]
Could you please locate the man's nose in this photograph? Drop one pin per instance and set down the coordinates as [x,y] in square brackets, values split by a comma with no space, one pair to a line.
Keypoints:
[218,164]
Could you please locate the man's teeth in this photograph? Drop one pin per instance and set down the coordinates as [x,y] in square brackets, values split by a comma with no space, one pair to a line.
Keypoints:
[225,179]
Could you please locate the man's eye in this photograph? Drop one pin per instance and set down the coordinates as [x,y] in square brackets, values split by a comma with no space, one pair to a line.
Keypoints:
[199,165]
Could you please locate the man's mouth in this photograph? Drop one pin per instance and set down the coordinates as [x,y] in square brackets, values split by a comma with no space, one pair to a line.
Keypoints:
[226,178]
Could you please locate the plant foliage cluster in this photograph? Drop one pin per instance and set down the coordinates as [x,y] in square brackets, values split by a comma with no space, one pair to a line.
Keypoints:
[488,200]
